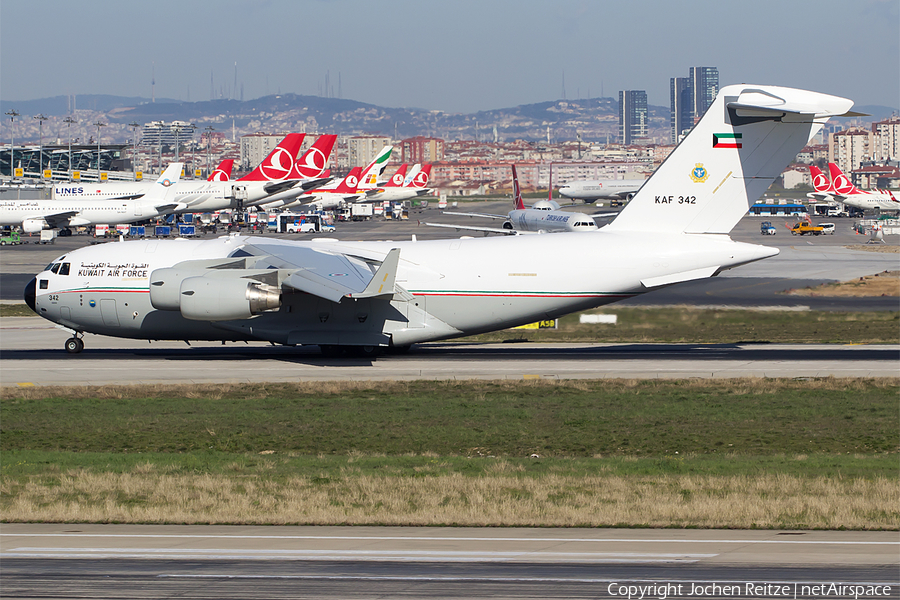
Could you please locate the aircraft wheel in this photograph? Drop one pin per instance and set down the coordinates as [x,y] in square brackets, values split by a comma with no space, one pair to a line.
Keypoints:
[399,349]
[330,351]
[365,351]
[74,345]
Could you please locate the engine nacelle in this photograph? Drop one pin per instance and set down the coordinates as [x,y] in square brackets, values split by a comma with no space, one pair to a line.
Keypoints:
[165,287]
[33,225]
[225,299]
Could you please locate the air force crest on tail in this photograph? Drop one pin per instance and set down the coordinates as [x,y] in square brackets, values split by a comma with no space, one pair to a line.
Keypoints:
[699,174]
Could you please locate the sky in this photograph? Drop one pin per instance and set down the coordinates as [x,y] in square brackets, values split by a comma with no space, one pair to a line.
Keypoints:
[456,56]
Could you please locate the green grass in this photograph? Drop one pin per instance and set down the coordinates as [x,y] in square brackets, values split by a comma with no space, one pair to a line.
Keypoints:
[510,419]
[281,466]
[818,453]
[16,310]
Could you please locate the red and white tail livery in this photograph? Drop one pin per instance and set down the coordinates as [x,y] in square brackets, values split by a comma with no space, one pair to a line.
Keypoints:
[421,178]
[517,191]
[397,178]
[314,162]
[820,181]
[279,164]
[223,171]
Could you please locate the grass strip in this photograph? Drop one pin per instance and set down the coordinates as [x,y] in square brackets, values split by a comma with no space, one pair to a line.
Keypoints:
[743,453]
[470,418]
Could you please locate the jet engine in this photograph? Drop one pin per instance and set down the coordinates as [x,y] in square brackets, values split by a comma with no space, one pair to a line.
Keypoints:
[210,298]
[32,225]
[218,299]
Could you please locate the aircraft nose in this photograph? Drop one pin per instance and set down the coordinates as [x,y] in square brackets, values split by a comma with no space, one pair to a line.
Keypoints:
[30,292]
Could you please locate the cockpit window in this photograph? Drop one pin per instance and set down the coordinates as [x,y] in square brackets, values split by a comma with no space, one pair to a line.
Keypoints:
[64,269]
[54,268]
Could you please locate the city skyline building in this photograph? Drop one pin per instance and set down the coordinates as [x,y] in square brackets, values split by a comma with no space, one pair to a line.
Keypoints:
[704,88]
[633,116]
[680,107]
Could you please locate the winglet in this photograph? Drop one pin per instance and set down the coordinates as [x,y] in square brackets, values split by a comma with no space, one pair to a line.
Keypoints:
[382,283]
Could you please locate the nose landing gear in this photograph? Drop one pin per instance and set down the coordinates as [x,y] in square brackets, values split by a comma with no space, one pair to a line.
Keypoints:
[74,345]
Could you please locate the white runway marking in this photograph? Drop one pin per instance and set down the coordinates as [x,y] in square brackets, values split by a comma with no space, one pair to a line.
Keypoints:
[452,539]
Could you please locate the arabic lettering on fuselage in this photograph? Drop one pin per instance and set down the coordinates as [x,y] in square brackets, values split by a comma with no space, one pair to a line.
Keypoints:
[112,270]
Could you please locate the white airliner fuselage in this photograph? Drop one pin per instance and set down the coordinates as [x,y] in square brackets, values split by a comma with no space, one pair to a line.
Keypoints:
[601,189]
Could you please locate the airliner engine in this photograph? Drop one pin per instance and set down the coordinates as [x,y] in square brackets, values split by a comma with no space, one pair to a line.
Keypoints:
[32,225]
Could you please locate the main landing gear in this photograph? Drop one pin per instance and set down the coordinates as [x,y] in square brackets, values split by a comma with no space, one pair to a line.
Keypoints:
[74,345]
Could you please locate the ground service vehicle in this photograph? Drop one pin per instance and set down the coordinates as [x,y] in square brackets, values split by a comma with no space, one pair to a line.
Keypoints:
[766,228]
[802,228]
[305,223]
[13,239]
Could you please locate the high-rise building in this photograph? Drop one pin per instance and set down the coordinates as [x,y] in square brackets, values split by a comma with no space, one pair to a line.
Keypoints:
[704,87]
[887,139]
[363,149]
[633,117]
[421,150]
[681,104]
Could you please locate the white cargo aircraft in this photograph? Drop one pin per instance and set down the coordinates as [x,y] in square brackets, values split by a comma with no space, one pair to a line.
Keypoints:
[544,216]
[34,215]
[602,189]
[367,295]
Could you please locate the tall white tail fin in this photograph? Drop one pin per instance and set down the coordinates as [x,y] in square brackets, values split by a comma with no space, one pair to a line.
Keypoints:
[742,143]
[160,188]
[369,178]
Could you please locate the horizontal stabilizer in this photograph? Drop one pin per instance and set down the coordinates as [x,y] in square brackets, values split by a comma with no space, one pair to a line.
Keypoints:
[703,273]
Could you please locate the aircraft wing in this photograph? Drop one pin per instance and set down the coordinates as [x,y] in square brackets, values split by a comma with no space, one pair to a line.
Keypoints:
[473,228]
[275,187]
[311,184]
[165,208]
[59,219]
[329,275]
[605,215]
[486,216]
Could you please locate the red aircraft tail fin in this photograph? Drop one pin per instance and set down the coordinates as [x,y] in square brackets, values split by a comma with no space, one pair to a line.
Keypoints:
[517,191]
[279,164]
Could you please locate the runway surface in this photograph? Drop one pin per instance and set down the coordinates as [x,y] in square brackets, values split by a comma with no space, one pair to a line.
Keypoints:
[135,561]
[32,353]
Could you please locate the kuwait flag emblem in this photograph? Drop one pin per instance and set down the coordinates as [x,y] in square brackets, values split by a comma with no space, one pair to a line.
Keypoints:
[727,140]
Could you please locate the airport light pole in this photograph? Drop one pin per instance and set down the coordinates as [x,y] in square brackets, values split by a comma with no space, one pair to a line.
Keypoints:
[99,125]
[68,121]
[177,130]
[41,118]
[12,141]
[134,125]
[209,129]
